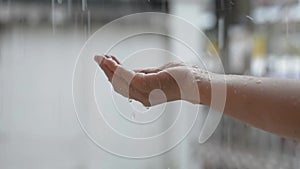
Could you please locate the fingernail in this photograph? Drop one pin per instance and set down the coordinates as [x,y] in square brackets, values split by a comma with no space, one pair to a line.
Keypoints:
[98,59]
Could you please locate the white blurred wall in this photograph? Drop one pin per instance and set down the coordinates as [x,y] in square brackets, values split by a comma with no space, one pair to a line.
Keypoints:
[38,125]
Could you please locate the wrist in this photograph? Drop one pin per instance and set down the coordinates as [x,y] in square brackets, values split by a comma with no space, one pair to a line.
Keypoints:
[198,88]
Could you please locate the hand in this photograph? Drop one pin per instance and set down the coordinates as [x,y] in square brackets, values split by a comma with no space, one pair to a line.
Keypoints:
[173,81]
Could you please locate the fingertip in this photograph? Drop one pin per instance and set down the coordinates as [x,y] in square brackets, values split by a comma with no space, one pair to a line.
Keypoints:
[98,59]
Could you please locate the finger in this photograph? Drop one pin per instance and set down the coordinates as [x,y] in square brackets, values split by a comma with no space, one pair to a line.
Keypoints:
[144,88]
[119,70]
[115,59]
[98,59]
[119,84]
[107,71]
[122,87]
[138,96]
[145,83]
[147,71]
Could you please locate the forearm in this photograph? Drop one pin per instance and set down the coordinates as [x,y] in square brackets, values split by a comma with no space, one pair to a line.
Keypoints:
[270,104]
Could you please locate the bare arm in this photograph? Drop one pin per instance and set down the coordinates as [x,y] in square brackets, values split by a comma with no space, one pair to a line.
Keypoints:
[269,104]
[266,103]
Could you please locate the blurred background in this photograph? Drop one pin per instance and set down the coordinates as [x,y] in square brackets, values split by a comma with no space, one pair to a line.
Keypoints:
[40,41]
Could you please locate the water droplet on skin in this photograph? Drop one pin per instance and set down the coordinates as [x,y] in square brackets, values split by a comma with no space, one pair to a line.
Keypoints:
[129,100]
[258,82]
[198,78]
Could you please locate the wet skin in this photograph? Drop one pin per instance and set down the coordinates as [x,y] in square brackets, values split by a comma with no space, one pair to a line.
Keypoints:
[266,103]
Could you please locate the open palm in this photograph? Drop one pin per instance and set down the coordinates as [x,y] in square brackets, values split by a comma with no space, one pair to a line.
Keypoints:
[169,82]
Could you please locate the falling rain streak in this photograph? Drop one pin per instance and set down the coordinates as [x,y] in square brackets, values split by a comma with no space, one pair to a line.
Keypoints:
[221,29]
[53,16]
[86,14]
[83,5]
[287,26]
[249,17]
[89,22]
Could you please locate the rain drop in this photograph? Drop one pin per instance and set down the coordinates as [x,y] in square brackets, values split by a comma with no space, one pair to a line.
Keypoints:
[249,17]
[198,78]
[89,22]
